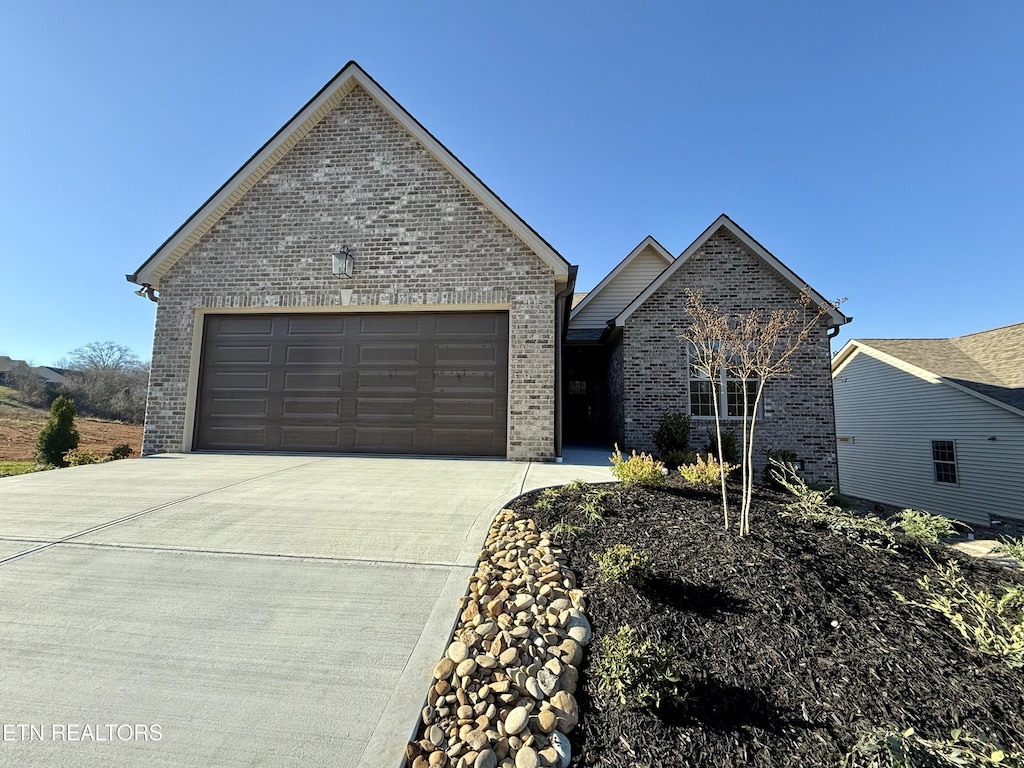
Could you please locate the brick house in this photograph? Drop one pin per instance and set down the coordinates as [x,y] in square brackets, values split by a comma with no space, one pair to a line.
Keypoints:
[441,340]
[626,366]
[355,288]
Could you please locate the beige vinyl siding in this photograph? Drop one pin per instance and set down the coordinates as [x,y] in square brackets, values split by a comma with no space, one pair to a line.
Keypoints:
[623,288]
[891,417]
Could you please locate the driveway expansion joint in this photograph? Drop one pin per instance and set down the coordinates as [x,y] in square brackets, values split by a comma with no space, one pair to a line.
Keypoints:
[144,512]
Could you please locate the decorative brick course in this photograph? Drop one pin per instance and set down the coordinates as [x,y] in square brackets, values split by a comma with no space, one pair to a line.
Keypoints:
[418,236]
[798,412]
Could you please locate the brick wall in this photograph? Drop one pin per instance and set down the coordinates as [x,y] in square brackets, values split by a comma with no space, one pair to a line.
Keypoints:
[418,238]
[798,413]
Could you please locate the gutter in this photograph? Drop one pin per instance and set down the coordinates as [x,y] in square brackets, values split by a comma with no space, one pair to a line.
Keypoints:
[562,309]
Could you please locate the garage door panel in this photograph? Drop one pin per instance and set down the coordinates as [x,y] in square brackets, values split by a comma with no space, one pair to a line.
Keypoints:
[241,406]
[386,408]
[395,354]
[370,439]
[308,355]
[385,380]
[237,437]
[416,383]
[312,325]
[400,324]
[228,380]
[245,325]
[469,325]
[235,353]
[465,441]
[462,408]
[312,381]
[466,353]
[312,438]
[310,406]
[462,380]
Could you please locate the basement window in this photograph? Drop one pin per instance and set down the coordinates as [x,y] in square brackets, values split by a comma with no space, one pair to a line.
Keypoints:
[944,460]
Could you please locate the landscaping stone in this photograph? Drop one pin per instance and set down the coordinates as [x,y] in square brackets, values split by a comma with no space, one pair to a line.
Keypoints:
[506,680]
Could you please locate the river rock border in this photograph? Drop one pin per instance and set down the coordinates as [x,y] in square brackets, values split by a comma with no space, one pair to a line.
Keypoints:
[502,695]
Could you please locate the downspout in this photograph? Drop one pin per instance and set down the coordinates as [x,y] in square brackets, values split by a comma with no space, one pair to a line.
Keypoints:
[562,310]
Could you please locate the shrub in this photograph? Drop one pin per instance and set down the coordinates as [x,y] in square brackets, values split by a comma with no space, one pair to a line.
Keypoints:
[78,457]
[120,451]
[58,435]
[583,505]
[884,748]
[675,459]
[812,505]
[1012,548]
[775,458]
[672,434]
[640,674]
[707,474]
[924,526]
[547,499]
[622,563]
[637,469]
[994,625]
[730,446]
[564,530]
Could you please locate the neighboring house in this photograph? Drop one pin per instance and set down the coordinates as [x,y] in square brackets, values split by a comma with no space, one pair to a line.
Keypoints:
[355,288]
[626,365]
[51,376]
[935,424]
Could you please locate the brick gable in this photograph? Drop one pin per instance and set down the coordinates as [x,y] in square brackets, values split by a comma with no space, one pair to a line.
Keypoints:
[420,240]
[797,414]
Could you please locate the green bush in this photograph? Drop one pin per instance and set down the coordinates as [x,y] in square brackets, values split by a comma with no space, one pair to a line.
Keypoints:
[813,505]
[883,748]
[707,474]
[78,457]
[775,458]
[672,434]
[640,674]
[1012,548]
[583,505]
[637,469]
[120,451]
[674,459]
[730,446]
[924,526]
[622,563]
[994,625]
[58,435]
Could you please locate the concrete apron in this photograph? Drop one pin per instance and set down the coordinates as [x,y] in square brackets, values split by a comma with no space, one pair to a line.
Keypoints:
[237,610]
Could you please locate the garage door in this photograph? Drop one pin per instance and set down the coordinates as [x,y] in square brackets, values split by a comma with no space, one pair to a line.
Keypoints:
[413,383]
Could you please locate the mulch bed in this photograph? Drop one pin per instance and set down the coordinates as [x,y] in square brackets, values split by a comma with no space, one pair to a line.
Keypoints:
[790,642]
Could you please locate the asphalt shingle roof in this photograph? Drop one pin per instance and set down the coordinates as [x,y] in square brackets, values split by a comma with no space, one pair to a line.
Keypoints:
[989,362]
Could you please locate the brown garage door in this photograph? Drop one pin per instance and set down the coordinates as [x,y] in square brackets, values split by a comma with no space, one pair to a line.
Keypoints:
[414,383]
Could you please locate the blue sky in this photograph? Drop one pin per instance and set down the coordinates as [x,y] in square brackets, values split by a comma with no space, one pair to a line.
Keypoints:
[877,148]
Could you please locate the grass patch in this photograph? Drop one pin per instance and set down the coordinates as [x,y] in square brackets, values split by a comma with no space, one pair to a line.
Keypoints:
[9,468]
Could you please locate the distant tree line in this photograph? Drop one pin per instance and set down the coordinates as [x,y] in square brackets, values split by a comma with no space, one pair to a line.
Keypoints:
[104,379]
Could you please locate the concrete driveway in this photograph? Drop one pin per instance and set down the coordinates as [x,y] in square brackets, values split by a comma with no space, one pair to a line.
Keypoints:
[225,610]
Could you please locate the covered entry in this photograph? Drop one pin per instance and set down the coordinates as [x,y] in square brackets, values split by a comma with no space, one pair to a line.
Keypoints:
[425,383]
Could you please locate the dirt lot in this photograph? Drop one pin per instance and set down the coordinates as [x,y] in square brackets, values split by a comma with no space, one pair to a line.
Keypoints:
[19,428]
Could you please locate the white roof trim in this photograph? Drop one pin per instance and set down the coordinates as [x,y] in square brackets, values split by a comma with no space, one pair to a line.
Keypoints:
[723,221]
[351,76]
[648,241]
[849,351]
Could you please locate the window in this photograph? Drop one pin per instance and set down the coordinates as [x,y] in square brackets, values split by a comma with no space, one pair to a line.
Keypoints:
[944,459]
[730,393]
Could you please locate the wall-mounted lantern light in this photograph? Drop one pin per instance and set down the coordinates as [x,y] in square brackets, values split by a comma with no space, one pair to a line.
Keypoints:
[343,262]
